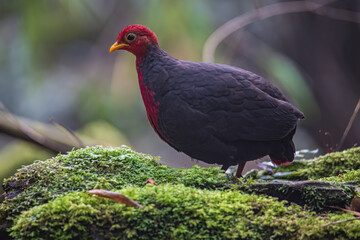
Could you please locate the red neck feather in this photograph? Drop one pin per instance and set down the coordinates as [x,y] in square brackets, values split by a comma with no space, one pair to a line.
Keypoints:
[151,106]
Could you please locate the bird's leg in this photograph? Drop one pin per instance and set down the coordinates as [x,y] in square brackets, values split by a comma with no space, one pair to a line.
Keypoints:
[239,170]
[225,167]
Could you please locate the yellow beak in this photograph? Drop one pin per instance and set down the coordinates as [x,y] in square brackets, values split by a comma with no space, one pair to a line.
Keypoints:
[117,46]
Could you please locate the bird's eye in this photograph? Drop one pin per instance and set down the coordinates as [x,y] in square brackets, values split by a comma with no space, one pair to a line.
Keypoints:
[130,37]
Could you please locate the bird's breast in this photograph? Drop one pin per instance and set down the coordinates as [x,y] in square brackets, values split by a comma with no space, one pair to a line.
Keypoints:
[151,106]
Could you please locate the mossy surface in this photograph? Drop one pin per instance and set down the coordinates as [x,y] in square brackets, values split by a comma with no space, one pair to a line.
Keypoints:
[347,176]
[16,154]
[95,167]
[329,165]
[177,212]
[314,195]
[47,200]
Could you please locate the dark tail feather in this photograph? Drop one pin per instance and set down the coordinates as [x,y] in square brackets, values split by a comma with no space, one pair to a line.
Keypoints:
[284,153]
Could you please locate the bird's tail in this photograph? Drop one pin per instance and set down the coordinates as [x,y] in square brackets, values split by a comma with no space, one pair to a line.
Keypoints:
[284,153]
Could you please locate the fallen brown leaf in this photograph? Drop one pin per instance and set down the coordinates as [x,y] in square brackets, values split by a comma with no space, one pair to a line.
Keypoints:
[151,181]
[115,196]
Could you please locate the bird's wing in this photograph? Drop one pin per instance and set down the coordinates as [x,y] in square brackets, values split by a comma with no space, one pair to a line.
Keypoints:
[266,86]
[235,107]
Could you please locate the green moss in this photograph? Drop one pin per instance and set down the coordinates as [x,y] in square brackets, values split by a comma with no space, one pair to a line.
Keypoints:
[47,200]
[16,154]
[95,167]
[328,165]
[177,212]
[347,176]
[314,195]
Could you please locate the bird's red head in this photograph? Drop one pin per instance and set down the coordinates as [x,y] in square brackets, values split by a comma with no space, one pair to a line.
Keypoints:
[135,39]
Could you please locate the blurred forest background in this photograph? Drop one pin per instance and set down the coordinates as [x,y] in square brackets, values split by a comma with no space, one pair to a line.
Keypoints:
[55,68]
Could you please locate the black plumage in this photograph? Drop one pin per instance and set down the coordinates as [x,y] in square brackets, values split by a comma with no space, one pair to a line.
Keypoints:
[218,113]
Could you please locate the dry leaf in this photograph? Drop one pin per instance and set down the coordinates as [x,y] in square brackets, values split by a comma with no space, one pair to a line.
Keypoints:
[115,196]
[151,181]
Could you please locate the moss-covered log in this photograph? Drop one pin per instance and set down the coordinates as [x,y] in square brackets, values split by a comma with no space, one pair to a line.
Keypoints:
[95,167]
[315,195]
[174,211]
[48,198]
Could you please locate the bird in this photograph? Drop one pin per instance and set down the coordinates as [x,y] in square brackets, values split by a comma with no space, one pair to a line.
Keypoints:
[215,113]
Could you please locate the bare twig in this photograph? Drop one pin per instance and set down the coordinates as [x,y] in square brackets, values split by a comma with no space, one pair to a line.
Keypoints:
[249,17]
[70,132]
[339,14]
[348,127]
[269,11]
[35,132]
[341,221]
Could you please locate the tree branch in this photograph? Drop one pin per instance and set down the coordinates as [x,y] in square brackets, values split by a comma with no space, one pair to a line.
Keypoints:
[47,136]
[348,127]
[269,11]
[341,221]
